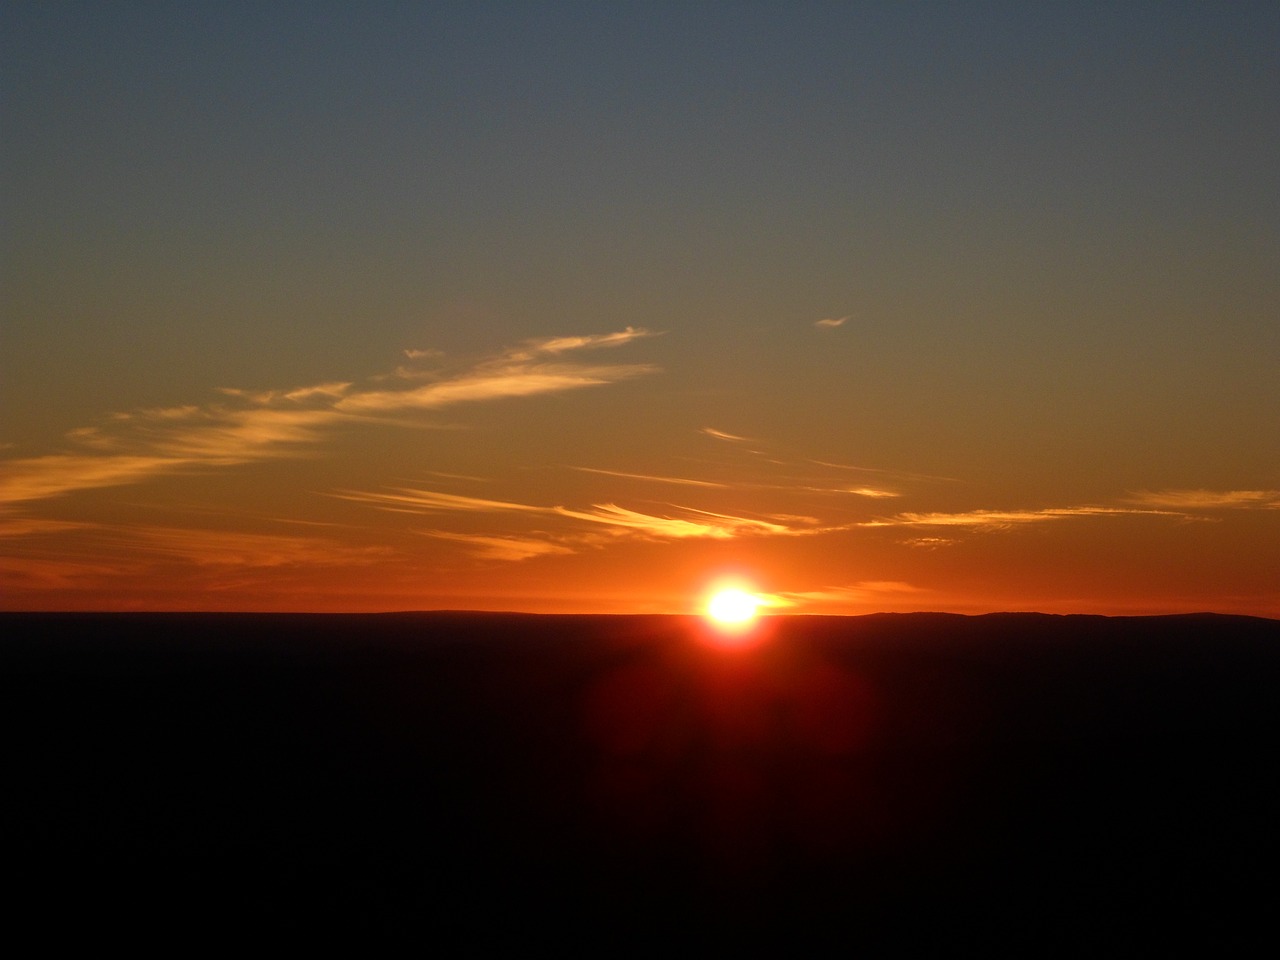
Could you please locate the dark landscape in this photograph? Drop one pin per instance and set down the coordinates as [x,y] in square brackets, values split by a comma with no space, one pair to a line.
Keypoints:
[1063,783]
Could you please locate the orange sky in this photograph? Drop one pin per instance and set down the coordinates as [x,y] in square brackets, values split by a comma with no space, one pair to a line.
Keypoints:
[582,313]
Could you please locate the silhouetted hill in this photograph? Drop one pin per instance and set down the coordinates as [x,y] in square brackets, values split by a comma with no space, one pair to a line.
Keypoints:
[1059,783]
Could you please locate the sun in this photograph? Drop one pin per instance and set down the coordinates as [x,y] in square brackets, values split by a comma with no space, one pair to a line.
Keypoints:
[733,608]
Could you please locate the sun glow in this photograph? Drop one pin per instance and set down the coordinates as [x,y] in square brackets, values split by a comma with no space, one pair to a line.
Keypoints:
[733,608]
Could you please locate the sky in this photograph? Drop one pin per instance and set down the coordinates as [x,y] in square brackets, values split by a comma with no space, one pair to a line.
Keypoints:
[578,307]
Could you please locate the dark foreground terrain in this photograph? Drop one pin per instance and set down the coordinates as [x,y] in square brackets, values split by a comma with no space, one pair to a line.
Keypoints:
[1062,784]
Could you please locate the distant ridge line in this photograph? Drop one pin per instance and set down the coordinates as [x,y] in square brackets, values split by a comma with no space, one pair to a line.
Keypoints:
[469,614]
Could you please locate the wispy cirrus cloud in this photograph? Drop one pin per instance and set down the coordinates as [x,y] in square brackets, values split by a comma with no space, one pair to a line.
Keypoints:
[57,555]
[680,523]
[1003,519]
[897,474]
[830,323]
[297,395]
[32,526]
[406,499]
[928,543]
[556,345]
[38,478]
[791,484]
[875,493]
[1210,499]
[512,549]
[683,481]
[723,435]
[859,592]
[1182,504]
[52,573]
[839,599]
[135,446]
[763,452]
[513,380]
[230,548]
[694,523]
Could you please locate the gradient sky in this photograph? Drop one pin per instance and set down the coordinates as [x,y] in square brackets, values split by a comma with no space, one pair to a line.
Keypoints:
[580,307]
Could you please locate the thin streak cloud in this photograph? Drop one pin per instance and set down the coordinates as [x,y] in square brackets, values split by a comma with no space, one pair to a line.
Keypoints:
[502,383]
[38,478]
[681,524]
[1210,499]
[235,549]
[718,527]
[510,549]
[1002,519]
[722,435]
[33,526]
[883,472]
[429,501]
[874,493]
[1182,504]
[685,481]
[555,345]
[91,556]
[857,592]
[134,446]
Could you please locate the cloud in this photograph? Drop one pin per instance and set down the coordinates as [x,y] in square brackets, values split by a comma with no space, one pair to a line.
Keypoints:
[226,437]
[1210,499]
[891,473]
[861,593]
[928,543]
[31,526]
[700,524]
[796,518]
[41,573]
[38,478]
[319,390]
[1181,504]
[721,435]
[772,600]
[556,345]
[94,556]
[1003,519]
[680,524]
[267,397]
[221,548]
[456,476]
[134,446]
[644,476]
[429,501]
[862,590]
[515,380]
[758,526]
[830,323]
[873,492]
[504,548]
[155,443]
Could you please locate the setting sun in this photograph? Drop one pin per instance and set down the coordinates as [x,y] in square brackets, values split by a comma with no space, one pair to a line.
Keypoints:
[733,607]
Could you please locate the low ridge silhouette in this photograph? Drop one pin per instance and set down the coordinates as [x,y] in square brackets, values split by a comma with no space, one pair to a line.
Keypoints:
[1058,782]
